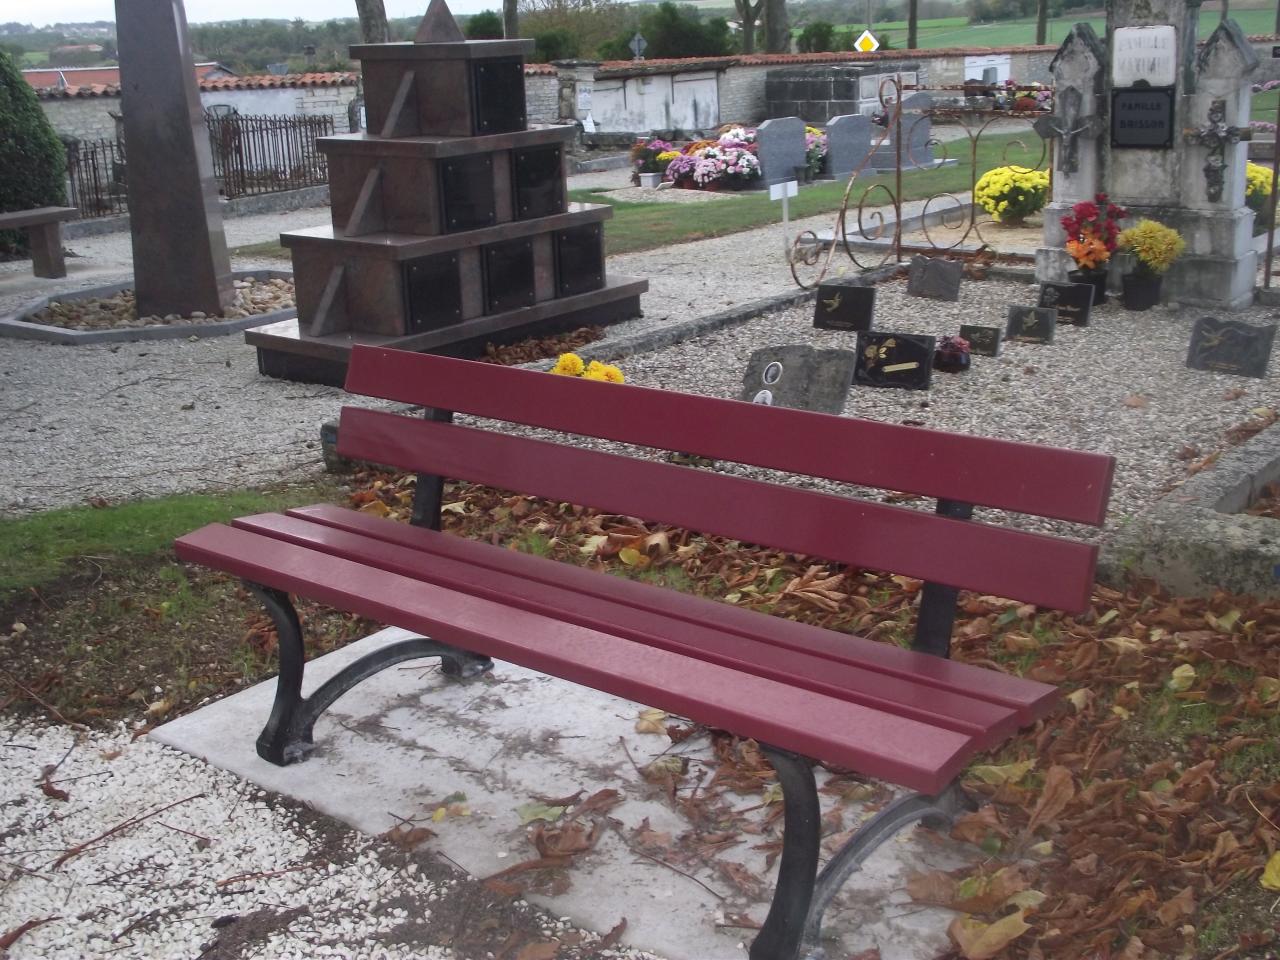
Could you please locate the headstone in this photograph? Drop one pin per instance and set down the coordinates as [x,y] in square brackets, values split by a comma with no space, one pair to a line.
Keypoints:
[180,258]
[844,306]
[917,128]
[1073,301]
[1231,346]
[984,341]
[934,278]
[1031,324]
[894,360]
[780,148]
[799,377]
[848,143]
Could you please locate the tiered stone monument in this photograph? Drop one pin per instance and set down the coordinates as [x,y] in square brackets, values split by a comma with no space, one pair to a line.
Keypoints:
[450,225]
[1157,125]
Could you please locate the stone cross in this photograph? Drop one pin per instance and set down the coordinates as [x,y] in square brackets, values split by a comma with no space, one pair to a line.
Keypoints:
[1066,123]
[1217,136]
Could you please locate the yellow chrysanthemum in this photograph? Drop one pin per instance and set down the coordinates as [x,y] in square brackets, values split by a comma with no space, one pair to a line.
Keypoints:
[613,374]
[569,365]
[1012,193]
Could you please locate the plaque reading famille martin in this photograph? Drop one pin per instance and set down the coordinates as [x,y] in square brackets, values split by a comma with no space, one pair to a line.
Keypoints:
[844,306]
[1073,301]
[1142,118]
[894,360]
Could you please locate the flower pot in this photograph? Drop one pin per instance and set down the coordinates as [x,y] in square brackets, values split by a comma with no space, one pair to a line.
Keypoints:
[951,361]
[650,179]
[1098,278]
[1026,104]
[1141,291]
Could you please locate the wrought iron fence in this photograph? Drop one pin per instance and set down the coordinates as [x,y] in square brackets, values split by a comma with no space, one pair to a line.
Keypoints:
[96,172]
[255,154]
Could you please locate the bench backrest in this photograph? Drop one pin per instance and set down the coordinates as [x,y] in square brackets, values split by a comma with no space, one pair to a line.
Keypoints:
[948,551]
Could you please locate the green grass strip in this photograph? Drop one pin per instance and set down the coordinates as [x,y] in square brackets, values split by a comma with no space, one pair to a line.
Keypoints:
[37,549]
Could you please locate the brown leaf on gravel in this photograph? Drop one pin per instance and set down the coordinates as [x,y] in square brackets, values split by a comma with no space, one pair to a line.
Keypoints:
[1182,905]
[612,938]
[933,887]
[600,802]
[11,937]
[407,837]
[547,950]
[52,792]
[1058,790]
[1136,401]
[743,879]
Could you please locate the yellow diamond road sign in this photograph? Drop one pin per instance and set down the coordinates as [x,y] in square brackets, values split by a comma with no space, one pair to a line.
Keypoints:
[867,43]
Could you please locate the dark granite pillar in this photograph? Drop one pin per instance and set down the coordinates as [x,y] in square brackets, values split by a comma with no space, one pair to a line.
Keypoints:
[180,261]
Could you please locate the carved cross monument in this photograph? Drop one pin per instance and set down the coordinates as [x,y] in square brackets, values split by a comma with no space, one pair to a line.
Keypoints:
[1158,128]
[180,261]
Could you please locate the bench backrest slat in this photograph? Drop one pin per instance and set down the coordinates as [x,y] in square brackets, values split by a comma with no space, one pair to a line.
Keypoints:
[1009,563]
[1021,477]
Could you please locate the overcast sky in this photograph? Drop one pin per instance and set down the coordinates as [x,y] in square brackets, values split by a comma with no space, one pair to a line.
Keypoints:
[201,11]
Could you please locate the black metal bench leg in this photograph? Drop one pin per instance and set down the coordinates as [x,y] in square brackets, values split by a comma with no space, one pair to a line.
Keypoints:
[288,736]
[779,938]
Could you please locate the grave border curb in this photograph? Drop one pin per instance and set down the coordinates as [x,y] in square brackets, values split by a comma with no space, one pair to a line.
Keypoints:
[13,326]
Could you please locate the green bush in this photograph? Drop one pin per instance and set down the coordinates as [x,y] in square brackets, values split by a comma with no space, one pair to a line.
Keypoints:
[673,31]
[554,45]
[817,37]
[485,25]
[32,162]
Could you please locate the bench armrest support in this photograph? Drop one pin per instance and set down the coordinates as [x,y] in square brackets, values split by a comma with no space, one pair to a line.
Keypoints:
[938,602]
[428,491]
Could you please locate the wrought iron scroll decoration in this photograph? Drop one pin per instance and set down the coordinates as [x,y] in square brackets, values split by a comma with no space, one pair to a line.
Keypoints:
[811,260]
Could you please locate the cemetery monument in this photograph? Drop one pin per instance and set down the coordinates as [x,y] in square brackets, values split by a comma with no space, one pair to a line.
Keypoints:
[450,223]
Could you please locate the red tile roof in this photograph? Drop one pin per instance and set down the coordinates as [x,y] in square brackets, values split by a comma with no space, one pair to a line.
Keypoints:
[618,67]
[265,82]
[46,78]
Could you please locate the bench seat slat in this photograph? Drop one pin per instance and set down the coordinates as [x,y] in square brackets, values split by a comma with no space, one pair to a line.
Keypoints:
[1022,477]
[988,723]
[36,216]
[1043,570]
[877,744]
[1030,699]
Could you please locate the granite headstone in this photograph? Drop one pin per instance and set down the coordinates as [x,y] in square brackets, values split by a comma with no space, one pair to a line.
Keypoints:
[1031,324]
[894,360]
[984,341]
[1231,346]
[848,143]
[798,376]
[1073,301]
[780,148]
[844,306]
[934,278]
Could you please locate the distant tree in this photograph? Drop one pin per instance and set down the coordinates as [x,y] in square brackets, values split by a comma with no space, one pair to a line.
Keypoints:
[1042,20]
[592,22]
[777,35]
[913,22]
[33,165]
[373,21]
[673,31]
[15,50]
[511,19]
[748,16]
[485,25]
[554,45]
[817,37]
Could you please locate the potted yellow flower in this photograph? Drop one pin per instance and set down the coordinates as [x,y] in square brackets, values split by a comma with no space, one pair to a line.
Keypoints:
[1154,247]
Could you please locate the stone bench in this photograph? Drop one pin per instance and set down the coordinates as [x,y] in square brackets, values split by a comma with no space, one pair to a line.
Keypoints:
[44,236]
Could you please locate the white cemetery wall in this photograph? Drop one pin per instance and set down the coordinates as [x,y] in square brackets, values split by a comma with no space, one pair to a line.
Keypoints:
[85,118]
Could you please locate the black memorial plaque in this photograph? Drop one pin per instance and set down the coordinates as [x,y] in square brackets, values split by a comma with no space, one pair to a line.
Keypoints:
[984,341]
[1142,118]
[508,275]
[844,306]
[935,278]
[1073,301]
[1231,346]
[1031,324]
[433,292]
[798,376]
[579,260]
[894,360]
[466,193]
[538,177]
[498,95]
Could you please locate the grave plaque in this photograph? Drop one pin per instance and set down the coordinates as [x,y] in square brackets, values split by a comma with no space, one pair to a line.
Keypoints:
[1231,346]
[508,275]
[579,260]
[894,360]
[466,192]
[498,95]
[799,377]
[984,341]
[844,306]
[1142,118]
[780,148]
[1073,301]
[539,182]
[934,278]
[433,292]
[1145,55]
[1031,324]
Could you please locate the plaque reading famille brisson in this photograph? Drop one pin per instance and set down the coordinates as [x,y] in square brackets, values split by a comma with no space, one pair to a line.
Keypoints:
[1142,118]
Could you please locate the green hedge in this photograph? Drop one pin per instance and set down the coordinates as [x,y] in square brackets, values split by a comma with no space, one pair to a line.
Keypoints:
[32,162]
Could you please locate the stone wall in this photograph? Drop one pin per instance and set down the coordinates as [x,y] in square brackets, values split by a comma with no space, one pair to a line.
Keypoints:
[742,94]
[542,97]
[85,118]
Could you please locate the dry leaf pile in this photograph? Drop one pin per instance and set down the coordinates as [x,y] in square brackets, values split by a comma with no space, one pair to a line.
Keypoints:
[1136,822]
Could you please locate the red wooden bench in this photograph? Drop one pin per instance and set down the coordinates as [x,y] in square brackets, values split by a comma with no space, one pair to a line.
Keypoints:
[912,717]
